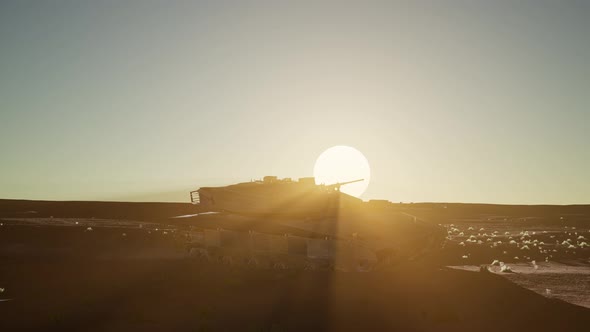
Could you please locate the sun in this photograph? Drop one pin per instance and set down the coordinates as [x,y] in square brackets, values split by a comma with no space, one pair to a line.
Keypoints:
[340,164]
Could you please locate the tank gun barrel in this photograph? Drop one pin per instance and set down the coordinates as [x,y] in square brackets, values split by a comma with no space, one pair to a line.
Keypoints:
[339,184]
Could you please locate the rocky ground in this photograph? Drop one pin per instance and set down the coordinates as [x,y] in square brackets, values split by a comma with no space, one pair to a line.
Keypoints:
[553,260]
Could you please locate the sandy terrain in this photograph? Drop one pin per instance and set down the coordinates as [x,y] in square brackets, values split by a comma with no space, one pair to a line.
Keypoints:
[566,282]
[133,273]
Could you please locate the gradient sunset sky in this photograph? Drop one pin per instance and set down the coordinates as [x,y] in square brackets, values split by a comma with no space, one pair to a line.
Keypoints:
[450,101]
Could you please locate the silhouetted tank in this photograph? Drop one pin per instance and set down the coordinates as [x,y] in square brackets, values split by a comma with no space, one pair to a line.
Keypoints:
[282,221]
[276,197]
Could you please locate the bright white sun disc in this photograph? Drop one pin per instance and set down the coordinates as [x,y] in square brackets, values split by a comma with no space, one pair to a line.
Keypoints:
[341,164]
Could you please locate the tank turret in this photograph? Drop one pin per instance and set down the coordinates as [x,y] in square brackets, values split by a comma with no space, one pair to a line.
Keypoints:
[273,197]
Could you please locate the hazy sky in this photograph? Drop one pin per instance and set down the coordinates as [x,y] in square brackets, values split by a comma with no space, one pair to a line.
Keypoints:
[457,101]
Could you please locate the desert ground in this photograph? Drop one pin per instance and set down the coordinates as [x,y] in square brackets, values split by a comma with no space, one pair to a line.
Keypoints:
[100,266]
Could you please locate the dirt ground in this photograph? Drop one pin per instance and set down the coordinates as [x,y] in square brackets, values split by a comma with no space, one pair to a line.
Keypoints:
[127,275]
[180,295]
[98,281]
